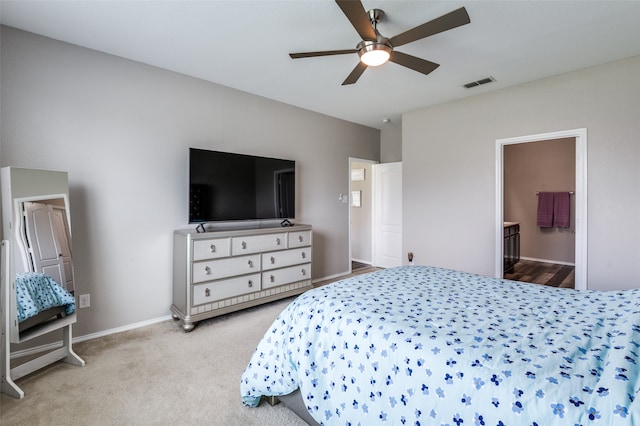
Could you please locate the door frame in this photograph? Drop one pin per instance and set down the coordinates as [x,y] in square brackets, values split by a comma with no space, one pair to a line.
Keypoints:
[580,195]
[351,161]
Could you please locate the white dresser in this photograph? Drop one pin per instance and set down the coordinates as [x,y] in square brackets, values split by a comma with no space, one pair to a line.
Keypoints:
[223,271]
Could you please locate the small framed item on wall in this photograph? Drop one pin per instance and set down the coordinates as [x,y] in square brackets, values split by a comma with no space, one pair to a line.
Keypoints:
[357,174]
[356,198]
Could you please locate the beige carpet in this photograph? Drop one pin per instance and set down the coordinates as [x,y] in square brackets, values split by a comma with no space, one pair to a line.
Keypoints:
[155,375]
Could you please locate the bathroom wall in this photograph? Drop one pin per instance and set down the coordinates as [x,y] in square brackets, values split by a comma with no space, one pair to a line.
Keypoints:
[529,168]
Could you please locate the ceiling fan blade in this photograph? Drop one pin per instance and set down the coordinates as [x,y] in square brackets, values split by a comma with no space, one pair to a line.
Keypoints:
[446,22]
[355,13]
[321,53]
[416,64]
[355,74]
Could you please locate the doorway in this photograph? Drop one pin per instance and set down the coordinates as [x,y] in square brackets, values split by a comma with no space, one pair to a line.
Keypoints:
[579,201]
[541,253]
[360,213]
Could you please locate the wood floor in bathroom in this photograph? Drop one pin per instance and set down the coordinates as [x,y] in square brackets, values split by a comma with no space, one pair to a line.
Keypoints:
[550,274]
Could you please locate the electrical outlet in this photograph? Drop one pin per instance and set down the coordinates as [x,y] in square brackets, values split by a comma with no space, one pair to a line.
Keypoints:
[84,301]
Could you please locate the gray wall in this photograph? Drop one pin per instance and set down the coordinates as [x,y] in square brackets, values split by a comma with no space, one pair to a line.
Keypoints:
[391,144]
[449,162]
[122,131]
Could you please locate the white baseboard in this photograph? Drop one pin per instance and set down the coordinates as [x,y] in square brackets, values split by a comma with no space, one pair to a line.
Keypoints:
[330,277]
[120,329]
[56,345]
[557,262]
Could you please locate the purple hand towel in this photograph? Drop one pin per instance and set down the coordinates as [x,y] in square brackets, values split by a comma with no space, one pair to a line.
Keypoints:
[545,209]
[561,209]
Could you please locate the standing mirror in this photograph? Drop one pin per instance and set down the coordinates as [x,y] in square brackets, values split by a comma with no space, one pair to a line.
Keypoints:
[38,283]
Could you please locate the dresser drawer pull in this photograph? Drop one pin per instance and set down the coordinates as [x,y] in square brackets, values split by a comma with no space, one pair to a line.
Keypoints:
[213,248]
[207,292]
[300,238]
[272,278]
[207,270]
[273,260]
[304,255]
[250,283]
[250,263]
[304,272]
[277,241]
[244,245]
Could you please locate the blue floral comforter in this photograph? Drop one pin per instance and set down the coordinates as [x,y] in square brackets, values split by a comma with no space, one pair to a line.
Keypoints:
[37,292]
[427,346]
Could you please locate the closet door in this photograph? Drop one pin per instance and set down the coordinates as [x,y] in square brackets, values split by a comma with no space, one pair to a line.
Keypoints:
[48,243]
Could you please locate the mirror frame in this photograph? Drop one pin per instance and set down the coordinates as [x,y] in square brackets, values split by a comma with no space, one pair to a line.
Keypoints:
[21,185]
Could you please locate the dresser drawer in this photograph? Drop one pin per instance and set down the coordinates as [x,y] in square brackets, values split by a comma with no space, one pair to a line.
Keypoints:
[299,239]
[211,249]
[258,243]
[215,269]
[280,259]
[223,289]
[288,275]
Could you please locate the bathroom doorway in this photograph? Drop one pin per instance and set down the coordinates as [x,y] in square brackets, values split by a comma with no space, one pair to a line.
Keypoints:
[507,210]
[540,253]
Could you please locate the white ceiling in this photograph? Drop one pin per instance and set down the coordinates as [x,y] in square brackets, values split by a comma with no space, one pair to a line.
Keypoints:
[245,45]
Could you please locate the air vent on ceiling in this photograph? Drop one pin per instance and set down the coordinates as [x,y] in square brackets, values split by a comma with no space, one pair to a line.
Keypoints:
[479,82]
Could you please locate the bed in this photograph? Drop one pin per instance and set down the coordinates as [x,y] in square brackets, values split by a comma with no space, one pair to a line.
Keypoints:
[40,299]
[424,346]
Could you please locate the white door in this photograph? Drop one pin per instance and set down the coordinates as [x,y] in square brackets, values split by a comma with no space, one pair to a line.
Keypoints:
[48,242]
[59,220]
[387,215]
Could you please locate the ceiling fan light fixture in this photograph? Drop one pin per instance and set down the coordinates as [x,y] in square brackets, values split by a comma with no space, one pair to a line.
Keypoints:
[374,54]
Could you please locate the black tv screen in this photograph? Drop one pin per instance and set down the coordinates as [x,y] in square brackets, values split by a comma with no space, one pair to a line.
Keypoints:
[227,187]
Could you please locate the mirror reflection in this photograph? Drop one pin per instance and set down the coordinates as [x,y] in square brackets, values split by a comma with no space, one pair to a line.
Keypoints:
[43,241]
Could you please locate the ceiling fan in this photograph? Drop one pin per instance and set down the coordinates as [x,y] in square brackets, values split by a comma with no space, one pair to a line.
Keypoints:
[375,49]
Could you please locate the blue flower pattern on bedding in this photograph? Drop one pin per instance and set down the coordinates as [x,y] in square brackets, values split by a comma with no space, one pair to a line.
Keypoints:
[418,345]
[37,292]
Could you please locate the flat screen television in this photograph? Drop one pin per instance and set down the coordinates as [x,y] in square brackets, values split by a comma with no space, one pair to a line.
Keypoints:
[230,187]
